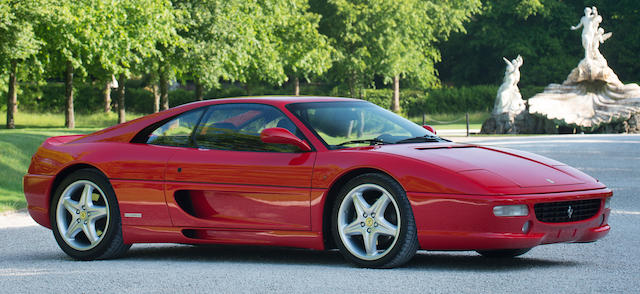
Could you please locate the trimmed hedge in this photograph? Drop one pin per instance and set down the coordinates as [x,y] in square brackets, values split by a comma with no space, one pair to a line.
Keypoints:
[441,100]
[88,98]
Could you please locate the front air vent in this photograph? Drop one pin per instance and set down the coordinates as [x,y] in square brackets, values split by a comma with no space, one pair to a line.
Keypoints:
[567,211]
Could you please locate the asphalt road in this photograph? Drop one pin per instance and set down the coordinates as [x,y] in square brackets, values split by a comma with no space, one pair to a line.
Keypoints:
[30,260]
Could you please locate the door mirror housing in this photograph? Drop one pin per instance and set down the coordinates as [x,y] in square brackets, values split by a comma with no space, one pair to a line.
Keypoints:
[430,129]
[283,136]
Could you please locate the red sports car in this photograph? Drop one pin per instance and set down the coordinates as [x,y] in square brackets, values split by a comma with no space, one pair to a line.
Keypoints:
[308,172]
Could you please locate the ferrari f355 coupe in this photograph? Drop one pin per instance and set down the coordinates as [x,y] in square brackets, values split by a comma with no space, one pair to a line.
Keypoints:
[307,172]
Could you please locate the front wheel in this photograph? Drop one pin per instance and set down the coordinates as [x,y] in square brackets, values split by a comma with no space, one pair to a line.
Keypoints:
[373,222]
[85,218]
[503,253]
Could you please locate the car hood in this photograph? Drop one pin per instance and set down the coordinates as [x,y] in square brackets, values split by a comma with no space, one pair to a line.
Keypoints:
[497,168]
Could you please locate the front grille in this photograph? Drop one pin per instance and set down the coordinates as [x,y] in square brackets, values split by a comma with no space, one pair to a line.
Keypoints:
[567,211]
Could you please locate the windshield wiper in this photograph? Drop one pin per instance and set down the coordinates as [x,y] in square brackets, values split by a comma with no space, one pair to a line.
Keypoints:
[420,139]
[373,141]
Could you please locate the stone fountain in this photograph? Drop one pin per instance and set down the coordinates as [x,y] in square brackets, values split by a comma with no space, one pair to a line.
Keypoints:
[591,99]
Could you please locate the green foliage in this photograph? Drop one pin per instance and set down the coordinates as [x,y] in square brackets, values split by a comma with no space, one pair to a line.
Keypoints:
[621,50]
[105,36]
[263,44]
[390,38]
[138,100]
[529,91]
[251,41]
[303,50]
[181,96]
[438,100]
[49,98]
[17,38]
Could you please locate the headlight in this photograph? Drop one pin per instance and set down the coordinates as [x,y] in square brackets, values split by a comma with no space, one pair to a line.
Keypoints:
[511,210]
[607,203]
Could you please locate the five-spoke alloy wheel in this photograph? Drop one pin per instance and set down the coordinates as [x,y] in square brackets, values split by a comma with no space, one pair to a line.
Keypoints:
[85,217]
[373,223]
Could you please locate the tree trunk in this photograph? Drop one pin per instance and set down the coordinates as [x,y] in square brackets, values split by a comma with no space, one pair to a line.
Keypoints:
[164,90]
[156,98]
[352,86]
[107,97]
[198,89]
[69,119]
[395,103]
[296,86]
[247,88]
[12,98]
[121,106]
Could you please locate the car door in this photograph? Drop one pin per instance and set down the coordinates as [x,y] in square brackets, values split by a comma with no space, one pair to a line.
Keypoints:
[230,179]
[137,170]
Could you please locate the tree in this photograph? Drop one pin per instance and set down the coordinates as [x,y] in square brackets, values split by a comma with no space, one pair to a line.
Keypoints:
[302,49]
[217,35]
[391,38]
[18,43]
[138,37]
[104,38]
[67,30]
[251,41]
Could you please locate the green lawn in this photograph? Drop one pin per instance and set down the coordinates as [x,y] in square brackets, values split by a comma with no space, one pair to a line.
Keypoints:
[448,121]
[18,145]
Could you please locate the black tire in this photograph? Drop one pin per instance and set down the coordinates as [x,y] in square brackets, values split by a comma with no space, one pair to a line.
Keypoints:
[503,253]
[109,243]
[394,253]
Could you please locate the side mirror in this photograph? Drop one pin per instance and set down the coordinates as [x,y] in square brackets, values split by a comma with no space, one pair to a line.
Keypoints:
[282,136]
[430,129]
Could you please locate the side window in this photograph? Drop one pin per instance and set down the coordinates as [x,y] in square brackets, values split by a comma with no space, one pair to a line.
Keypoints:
[237,127]
[177,132]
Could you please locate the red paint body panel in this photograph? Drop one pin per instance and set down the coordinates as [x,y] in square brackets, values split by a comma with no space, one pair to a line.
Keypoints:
[145,198]
[241,207]
[261,190]
[36,191]
[300,239]
[189,195]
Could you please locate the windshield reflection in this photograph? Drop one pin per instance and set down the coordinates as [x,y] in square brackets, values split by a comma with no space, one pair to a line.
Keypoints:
[344,124]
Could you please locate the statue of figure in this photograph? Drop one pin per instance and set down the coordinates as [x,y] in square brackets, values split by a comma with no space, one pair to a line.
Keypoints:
[509,98]
[589,23]
[600,37]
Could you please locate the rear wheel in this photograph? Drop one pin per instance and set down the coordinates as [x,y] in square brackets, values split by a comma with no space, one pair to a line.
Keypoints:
[373,223]
[85,217]
[503,253]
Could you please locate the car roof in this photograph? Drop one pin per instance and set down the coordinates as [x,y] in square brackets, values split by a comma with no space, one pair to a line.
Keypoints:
[273,100]
[124,132]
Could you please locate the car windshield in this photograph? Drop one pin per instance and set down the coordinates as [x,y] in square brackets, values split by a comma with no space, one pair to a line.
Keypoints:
[353,123]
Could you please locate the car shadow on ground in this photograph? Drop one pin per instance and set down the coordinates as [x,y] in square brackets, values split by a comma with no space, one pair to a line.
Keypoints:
[473,262]
[424,260]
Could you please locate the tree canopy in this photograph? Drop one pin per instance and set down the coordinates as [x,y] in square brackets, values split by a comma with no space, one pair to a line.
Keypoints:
[18,43]
[390,38]
[357,43]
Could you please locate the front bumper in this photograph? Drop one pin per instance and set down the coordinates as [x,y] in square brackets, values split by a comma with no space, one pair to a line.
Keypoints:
[467,222]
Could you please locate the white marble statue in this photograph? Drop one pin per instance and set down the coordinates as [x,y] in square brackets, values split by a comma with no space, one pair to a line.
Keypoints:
[509,99]
[589,23]
[599,38]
